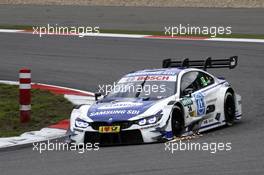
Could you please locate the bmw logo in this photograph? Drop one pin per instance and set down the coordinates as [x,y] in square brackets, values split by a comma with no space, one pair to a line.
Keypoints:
[110,120]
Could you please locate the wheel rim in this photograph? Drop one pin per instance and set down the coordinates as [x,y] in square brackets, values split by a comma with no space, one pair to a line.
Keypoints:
[177,125]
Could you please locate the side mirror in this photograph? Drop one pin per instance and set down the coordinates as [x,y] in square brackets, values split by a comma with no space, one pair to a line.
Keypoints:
[188,92]
[96,95]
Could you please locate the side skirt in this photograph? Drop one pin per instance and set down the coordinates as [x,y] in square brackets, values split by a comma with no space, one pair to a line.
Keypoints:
[206,128]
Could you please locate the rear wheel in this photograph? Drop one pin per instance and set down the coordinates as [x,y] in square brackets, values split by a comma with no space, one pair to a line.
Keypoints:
[177,122]
[229,109]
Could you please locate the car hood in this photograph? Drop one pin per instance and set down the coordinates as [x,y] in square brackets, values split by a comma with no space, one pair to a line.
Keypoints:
[118,110]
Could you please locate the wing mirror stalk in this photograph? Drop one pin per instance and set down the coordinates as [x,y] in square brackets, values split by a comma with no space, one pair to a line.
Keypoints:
[188,92]
[96,95]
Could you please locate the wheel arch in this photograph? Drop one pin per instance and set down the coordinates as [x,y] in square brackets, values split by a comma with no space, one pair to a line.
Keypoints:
[231,90]
[180,106]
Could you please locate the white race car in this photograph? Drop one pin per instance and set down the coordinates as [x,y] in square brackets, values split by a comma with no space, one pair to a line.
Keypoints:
[157,104]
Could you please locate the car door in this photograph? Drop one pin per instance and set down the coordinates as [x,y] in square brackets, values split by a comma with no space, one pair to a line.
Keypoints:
[188,88]
[208,90]
[195,91]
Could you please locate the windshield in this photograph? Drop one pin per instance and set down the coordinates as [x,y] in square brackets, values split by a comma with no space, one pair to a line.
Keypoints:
[147,87]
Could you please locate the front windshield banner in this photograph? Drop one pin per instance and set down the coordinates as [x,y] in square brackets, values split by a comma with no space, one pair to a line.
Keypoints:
[151,87]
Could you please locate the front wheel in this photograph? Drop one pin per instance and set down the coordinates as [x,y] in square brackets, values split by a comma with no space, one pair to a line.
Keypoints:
[229,109]
[177,122]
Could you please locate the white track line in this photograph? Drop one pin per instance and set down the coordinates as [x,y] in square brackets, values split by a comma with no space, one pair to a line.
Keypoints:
[10,31]
[115,35]
[245,40]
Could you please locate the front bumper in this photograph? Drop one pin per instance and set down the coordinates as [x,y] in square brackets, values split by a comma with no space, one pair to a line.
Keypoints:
[131,134]
[124,137]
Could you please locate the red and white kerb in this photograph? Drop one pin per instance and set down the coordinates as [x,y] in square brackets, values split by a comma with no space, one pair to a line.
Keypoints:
[25,94]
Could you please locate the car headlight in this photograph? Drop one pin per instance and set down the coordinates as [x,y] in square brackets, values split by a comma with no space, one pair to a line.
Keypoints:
[142,122]
[150,120]
[81,123]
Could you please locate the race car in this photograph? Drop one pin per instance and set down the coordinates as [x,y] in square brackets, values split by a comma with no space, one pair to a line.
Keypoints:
[156,105]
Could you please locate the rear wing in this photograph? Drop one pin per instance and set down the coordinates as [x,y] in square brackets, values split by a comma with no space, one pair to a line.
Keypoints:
[230,63]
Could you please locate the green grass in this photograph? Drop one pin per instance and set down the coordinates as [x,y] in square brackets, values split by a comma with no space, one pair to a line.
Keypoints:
[18,27]
[161,33]
[47,109]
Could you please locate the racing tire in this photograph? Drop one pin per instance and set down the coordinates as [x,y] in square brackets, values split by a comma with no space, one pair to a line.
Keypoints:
[177,121]
[229,109]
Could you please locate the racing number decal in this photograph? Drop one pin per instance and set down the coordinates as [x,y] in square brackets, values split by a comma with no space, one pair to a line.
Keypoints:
[199,98]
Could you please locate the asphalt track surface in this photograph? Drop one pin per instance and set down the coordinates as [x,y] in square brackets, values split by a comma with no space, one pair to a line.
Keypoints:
[85,63]
[248,21]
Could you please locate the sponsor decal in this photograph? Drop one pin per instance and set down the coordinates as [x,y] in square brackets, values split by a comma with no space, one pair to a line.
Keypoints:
[191,111]
[118,110]
[161,72]
[186,101]
[115,112]
[148,78]
[207,121]
[153,78]
[199,98]
[109,129]
[120,105]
